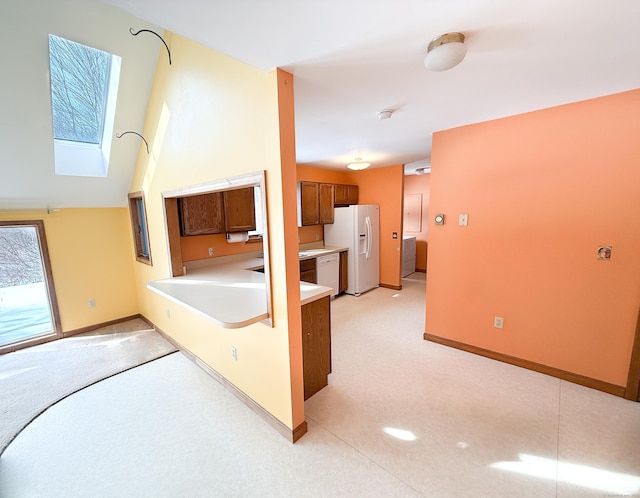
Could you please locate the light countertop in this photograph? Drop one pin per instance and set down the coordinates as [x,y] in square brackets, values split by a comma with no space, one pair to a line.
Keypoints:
[314,250]
[228,292]
[230,298]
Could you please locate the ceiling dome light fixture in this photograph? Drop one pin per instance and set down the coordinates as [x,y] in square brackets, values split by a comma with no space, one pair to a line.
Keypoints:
[386,114]
[358,164]
[445,52]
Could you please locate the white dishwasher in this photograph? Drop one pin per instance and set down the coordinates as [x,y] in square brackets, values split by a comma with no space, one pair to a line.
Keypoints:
[328,271]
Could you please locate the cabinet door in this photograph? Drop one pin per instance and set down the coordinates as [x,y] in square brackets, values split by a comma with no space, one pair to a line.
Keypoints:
[352,194]
[341,195]
[239,210]
[308,204]
[346,195]
[310,276]
[325,193]
[308,271]
[201,214]
[344,272]
[316,345]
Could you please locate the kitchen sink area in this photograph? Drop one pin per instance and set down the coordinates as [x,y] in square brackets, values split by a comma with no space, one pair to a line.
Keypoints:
[314,253]
[321,265]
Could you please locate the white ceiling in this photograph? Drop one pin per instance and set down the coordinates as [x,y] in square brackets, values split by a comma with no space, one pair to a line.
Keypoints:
[27,172]
[352,58]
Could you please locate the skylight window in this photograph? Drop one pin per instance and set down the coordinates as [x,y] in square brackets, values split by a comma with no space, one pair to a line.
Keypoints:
[79,77]
[84,85]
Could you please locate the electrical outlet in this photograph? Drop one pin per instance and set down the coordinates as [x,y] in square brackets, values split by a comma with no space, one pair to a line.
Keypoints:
[234,353]
[92,303]
[498,322]
[211,251]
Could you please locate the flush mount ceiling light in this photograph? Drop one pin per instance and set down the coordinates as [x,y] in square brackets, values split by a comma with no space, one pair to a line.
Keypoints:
[386,114]
[445,52]
[358,164]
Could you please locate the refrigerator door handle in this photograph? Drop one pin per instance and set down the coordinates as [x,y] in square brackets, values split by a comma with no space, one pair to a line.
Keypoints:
[367,222]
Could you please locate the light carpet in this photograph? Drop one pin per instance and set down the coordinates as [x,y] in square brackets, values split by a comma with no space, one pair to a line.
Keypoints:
[33,379]
[167,429]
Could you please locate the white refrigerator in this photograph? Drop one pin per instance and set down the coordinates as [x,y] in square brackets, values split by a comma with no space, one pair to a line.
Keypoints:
[357,227]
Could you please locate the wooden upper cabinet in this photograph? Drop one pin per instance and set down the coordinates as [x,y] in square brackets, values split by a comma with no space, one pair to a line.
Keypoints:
[352,194]
[218,212]
[346,195]
[325,193]
[239,210]
[308,204]
[201,214]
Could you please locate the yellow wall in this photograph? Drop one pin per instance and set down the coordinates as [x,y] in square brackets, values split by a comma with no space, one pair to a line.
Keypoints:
[212,117]
[91,253]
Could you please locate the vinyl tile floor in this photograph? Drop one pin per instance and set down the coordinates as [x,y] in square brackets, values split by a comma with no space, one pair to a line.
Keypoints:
[400,417]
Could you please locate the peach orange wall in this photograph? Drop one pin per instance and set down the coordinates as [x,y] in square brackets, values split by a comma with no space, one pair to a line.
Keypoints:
[542,190]
[384,186]
[287,243]
[312,233]
[420,184]
[92,257]
[197,247]
[211,117]
[313,174]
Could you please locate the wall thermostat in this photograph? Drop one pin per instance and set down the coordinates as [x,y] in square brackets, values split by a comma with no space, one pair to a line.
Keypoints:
[439,219]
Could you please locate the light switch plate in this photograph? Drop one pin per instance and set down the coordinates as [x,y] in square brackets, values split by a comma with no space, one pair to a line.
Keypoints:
[463,220]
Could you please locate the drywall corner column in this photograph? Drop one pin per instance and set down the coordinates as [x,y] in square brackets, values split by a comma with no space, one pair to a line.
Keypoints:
[289,205]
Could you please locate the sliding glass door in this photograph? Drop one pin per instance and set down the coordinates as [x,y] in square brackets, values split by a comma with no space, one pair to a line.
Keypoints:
[28,306]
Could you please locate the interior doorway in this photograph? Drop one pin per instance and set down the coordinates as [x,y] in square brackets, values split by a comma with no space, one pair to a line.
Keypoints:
[28,306]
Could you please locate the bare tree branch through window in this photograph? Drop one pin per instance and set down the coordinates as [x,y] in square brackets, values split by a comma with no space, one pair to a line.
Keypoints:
[79,79]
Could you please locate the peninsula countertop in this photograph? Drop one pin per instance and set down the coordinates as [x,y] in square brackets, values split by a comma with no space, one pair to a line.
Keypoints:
[229,291]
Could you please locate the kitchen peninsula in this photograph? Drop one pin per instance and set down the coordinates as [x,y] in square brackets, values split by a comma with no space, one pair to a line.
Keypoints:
[230,292]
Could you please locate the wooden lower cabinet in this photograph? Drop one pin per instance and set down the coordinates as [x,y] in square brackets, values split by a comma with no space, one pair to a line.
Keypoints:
[316,345]
[308,271]
[344,272]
